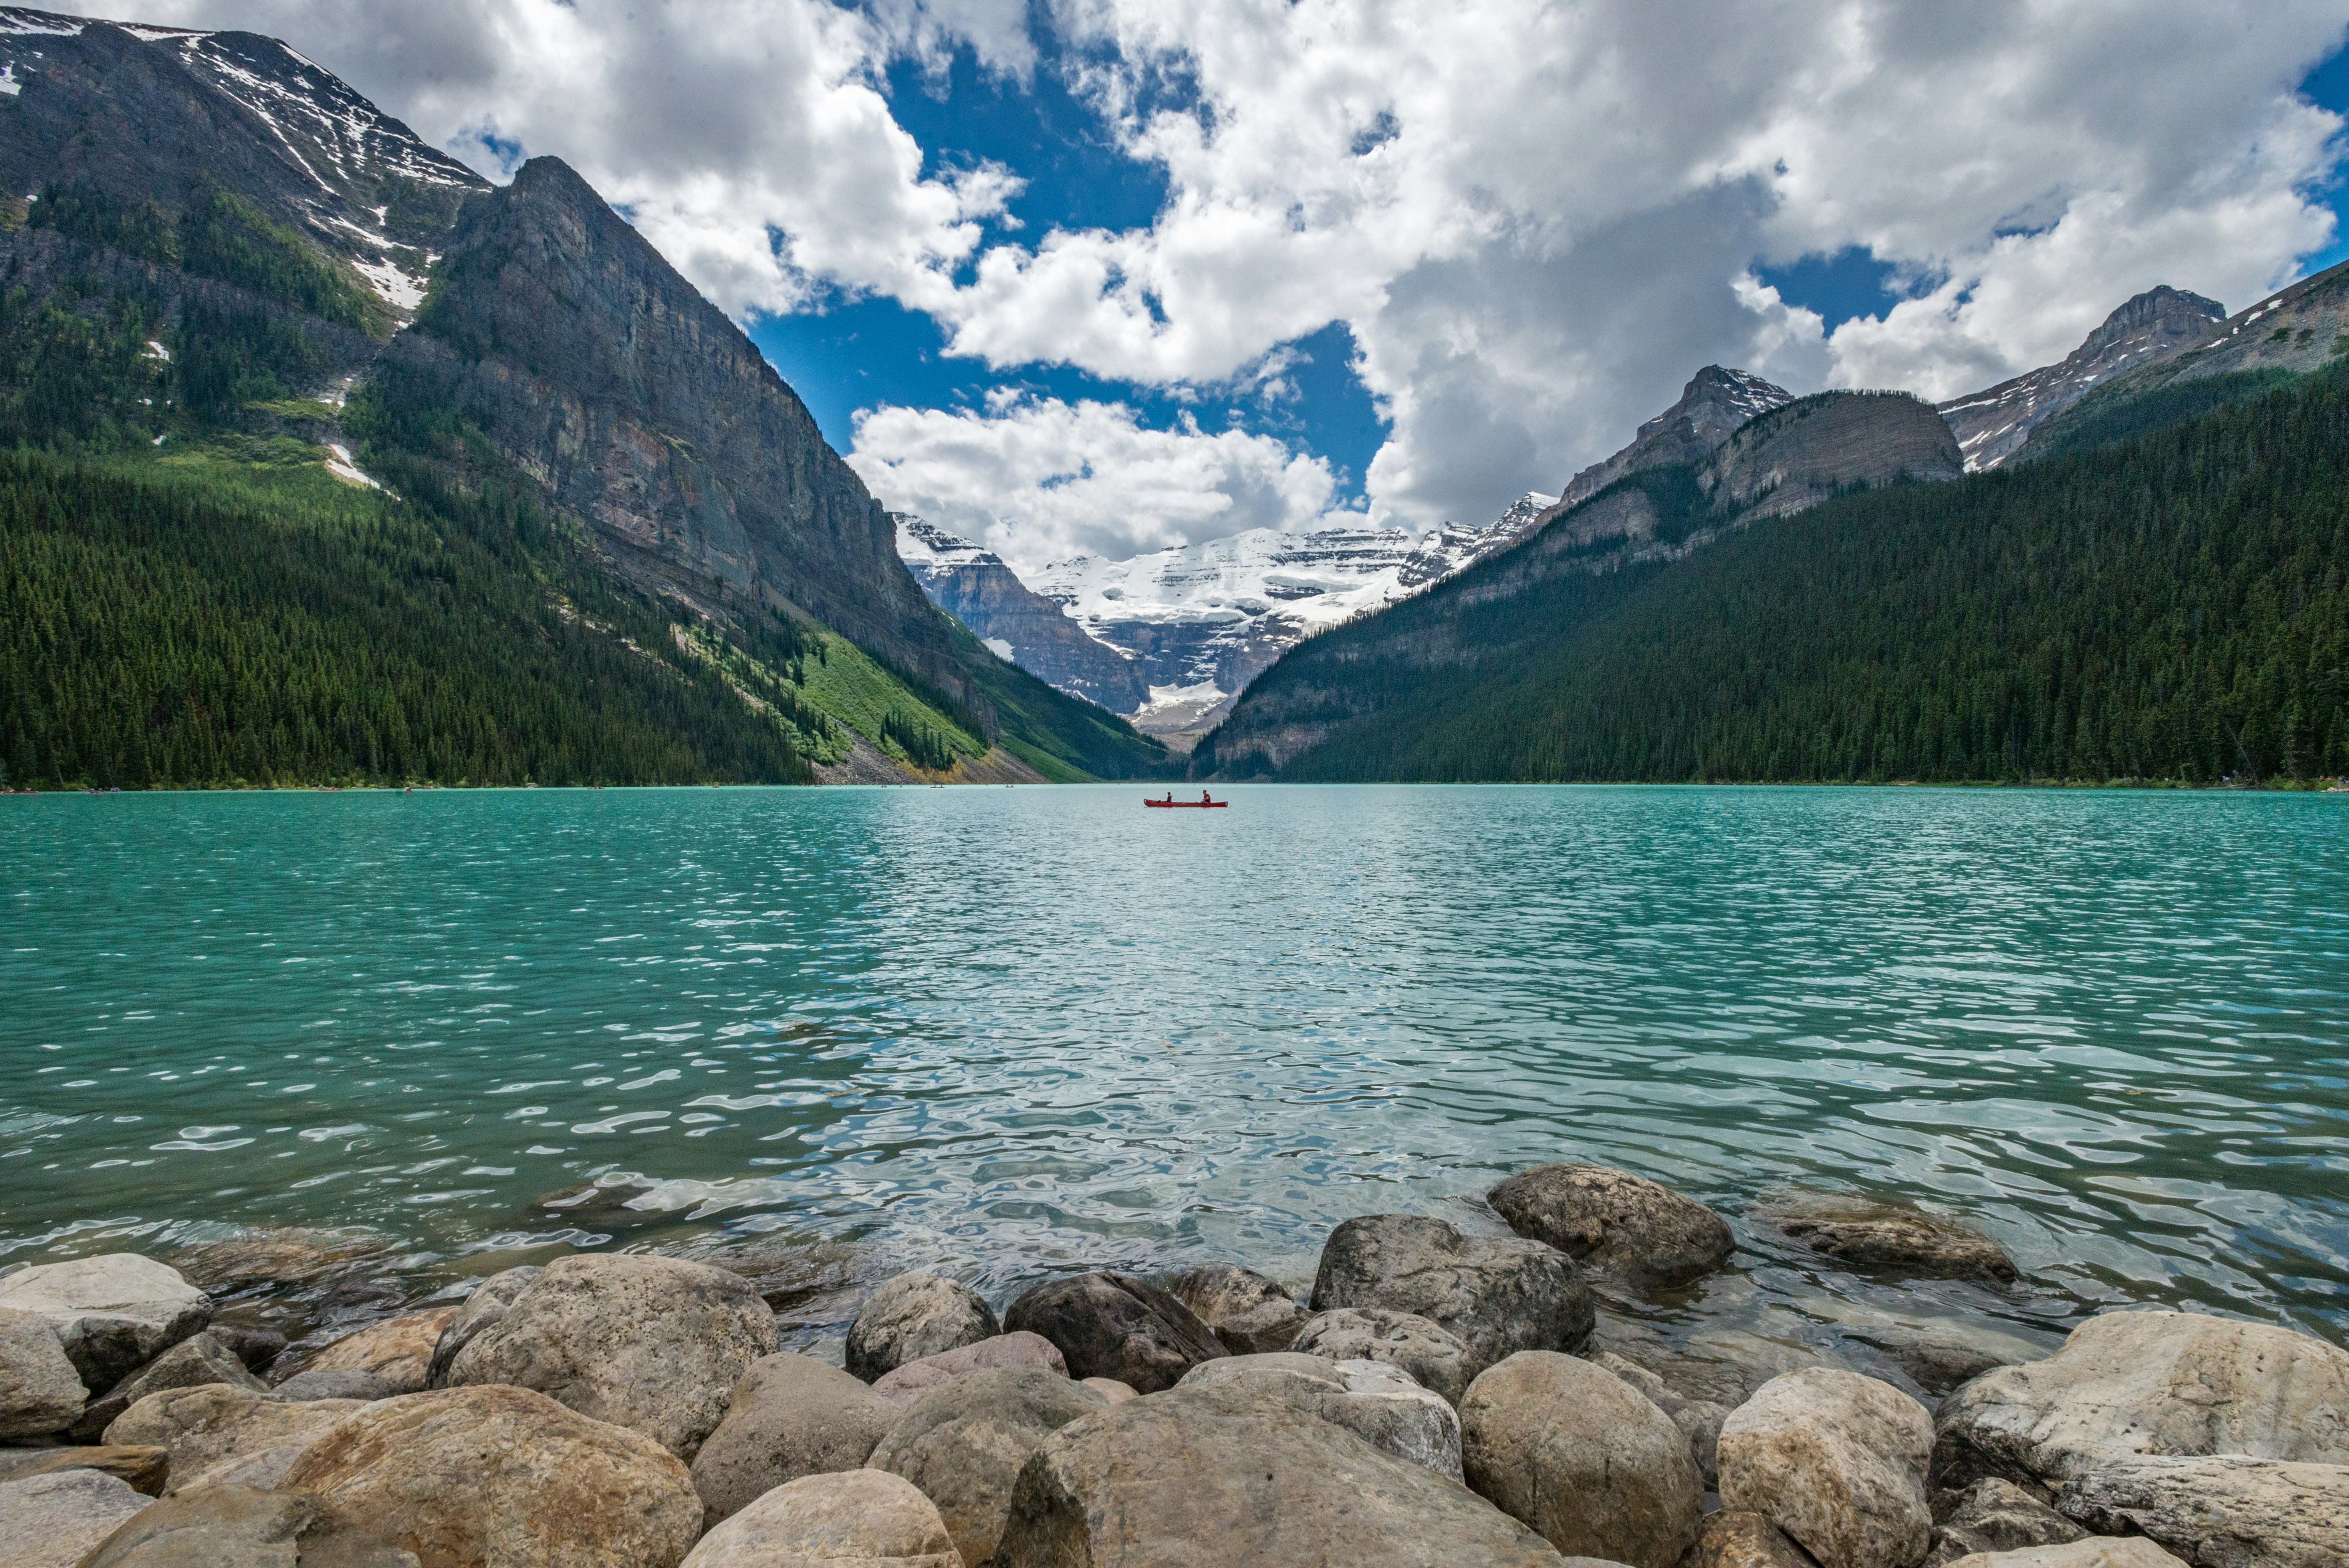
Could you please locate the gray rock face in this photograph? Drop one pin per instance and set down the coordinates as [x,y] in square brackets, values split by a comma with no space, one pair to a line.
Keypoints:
[200,1427]
[1495,1297]
[327,1383]
[1736,1539]
[1790,458]
[1836,1461]
[651,1343]
[1583,1458]
[1018,1351]
[1888,1237]
[2132,1383]
[245,1527]
[50,1521]
[1995,1516]
[1613,1219]
[1430,1353]
[978,588]
[964,1445]
[791,1416]
[1251,1314]
[486,1305]
[862,1517]
[505,1478]
[191,1364]
[913,1316]
[1374,1400]
[1712,407]
[40,1390]
[1251,1481]
[113,1314]
[1110,1325]
[2222,1511]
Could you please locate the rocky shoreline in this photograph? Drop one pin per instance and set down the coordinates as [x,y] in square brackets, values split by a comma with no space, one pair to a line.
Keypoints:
[1440,1399]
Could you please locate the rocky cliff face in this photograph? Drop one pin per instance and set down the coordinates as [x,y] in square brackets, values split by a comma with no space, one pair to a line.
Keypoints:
[1715,403]
[978,588]
[1796,457]
[1993,426]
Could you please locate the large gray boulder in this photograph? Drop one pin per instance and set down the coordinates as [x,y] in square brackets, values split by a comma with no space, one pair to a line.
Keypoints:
[2224,1511]
[963,1445]
[915,1316]
[1583,1458]
[791,1416]
[50,1521]
[1250,1315]
[41,1392]
[1376,1401]
[1886,1237]
[2131,1383]
[245,1527]
[1610,1218]
[1111,1326]
[1734,1537]
[1018,1351]
[859,1519]
[1428,1352]
[1495,1296]
[488,1304]
[1995,1515]
[113,1313]
[1837,1461]
[1233,1478]
[196,1361]
[654,1345]
[202,1426]
[505,1478]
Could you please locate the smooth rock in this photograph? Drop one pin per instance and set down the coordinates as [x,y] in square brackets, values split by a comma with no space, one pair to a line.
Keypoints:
[1249,1481]
[791,1416]
[1110,1388]
[332,1383]
[1699,1420]
[141,1468]
[501,1476]
[1995,1515]
[286,1256]
[1250,1315]
[1110,1325]
[1741,1539]
[2131,1383]
[1888,1237]
[1495,1296]
[398,1350]
[1837,1461]
[113,1313]
[1613,1219]
[1430,1353]
[1583,1458]
[2091,1553]
[486,1305]
[50,1521]
[963,1445]
[651,1343]
[200,1427]
[41,1392]
[257,1348]
[1376,1401]
[263,1469]
[860,1518]
[912,1316]
[2224,1511]
[1016,1352]
[245,1527]
[196,1361]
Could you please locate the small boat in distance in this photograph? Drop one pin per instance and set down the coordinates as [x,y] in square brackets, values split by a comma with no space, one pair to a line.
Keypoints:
[1205,801]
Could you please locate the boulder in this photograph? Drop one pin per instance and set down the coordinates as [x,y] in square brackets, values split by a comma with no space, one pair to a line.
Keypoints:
[113,1314]
[1110,1388]
[1108,1326]
[325,1383]
[1430,1353]
[140,1468]
[499,1477]
[912,1316]
[2104,1554]
[651,1343]
[289,1255]
[199,1427]
[1886,1237]
[791,1416]
[194,1362]
[1019,1351]
[963,1445]
[486,1305]
[50,1521]
[1583,1458]
[1249,1314]
[1742,1539]
[1495,1296]
[1837,1461]
[245,1527]
[1995,1516]
[2131,1383]
[1374,1400]
[2226,1511]
[859,1519]
[41,1392]
[1699,1420]
[1630,1226]
[1247,1480]
[398,1350]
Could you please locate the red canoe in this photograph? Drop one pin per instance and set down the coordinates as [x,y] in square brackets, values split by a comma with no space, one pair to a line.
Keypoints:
[1201,804]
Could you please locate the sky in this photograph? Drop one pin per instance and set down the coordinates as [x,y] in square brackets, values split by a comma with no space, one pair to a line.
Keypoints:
[1108,275]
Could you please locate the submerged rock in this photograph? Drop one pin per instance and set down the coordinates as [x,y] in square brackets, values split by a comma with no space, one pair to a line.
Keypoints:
[113,1314]
[50,1521]
[243,1525]
[1495,1296]
[191,1364]
[1018,1351]
[963,1445]
[860,1516]
[41,1392]
[1249,1314]
[1431,1353]
[1111,1326]
[1878,1234]
[791,1416]
[397,1350]
[1613,1219]
[913,1316]
[1836,1461]
[1374,1400]
[487,1304]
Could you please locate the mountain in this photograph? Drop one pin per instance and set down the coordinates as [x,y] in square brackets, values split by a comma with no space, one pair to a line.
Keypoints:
[1993,426]
[978,588]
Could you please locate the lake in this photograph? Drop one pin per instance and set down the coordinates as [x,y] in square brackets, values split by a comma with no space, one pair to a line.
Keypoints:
[1008,1032]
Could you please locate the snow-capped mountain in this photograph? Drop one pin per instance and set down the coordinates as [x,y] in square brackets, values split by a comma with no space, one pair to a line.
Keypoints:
[973,584]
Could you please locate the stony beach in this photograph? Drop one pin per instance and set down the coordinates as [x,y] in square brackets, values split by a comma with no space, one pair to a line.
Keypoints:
[1440,1397]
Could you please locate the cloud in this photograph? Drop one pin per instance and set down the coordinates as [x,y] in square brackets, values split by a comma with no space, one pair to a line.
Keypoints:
[1039,480]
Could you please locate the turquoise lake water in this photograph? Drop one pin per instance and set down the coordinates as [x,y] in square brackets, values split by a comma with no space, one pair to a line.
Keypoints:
[1004,1032]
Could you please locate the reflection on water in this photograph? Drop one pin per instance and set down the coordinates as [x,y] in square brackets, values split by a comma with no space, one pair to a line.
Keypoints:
[1011,1031]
